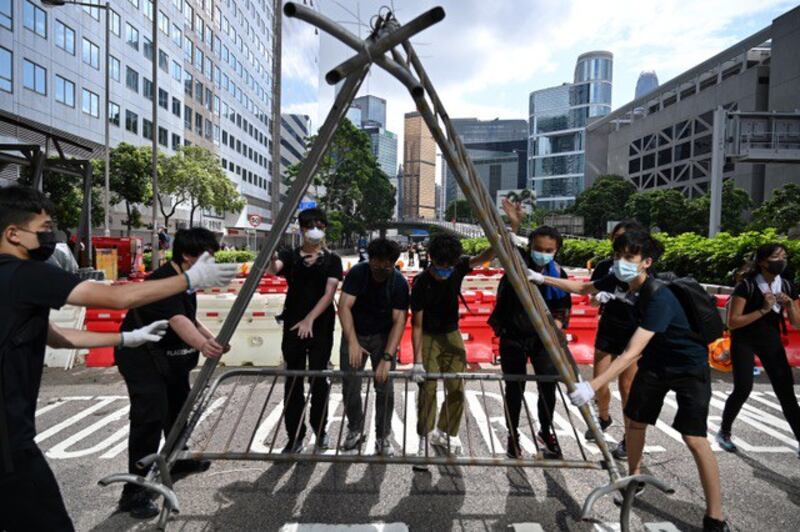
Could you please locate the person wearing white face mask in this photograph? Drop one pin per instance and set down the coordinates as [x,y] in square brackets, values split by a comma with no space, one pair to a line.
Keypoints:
[671,357]
[313,274]
[520,343]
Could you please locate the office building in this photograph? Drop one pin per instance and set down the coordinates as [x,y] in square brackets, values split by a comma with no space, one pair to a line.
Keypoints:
[373,110]
[647,83]
[419,169]
[384,147]
[295,131]
[214,85]
[669,144]
[558,117]
[498,149]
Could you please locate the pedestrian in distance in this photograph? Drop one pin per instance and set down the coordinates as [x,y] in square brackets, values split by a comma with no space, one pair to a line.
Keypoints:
[422,253]
[411,248]
[31,499]
[373,310]
[438,346]
[157,376]
[671,357]
[519,340]
[313,273]
[618,321]
[755,319]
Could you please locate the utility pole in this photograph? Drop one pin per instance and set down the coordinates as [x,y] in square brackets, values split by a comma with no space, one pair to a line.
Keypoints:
[275,188]
[155,258]
[717,163]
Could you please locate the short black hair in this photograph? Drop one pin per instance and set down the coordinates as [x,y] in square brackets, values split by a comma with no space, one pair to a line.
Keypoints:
[445,249]
[310,217]
[548,231]
[193,242]
[627,225]
[18,205]
[384,249]
[638,243]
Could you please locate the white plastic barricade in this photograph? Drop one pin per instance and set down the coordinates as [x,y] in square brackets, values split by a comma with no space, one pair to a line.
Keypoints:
[68,317]
[481,282]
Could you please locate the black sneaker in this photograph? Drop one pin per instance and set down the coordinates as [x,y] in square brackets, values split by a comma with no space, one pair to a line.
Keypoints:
[618,497]
[293,447]
[323,443]
[604,424]
[620,452]
[187,467]
[551,447]
[513,450]
[713,525]
[138,504]
[724,441]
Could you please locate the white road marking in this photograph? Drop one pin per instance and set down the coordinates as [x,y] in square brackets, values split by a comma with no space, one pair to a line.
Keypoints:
[102,402]
[62,451]
[322,527]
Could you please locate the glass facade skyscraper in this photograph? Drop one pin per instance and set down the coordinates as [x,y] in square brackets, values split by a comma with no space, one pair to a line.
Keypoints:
[373,110]
[558,117]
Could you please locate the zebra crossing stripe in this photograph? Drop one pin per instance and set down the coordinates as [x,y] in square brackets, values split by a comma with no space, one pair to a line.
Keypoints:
[322,527]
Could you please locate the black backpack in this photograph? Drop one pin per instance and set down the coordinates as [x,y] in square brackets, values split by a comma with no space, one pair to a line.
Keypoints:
[699,306]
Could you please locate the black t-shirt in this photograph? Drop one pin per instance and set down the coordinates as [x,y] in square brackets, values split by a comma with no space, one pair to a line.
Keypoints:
[29,290]
[307,284]
[439,298]
[674,348]
[617,316]
[183,304]
[510,317]
[372,311]
[770,323]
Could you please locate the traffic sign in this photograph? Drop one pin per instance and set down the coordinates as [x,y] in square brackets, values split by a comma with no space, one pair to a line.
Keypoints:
[254,219]
[307,205]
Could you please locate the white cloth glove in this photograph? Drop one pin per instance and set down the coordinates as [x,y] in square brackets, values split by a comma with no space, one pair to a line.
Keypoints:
[583,394]
[149,333]
[535,277]
[603,297]
[418,373]
[519,241]
[206,273]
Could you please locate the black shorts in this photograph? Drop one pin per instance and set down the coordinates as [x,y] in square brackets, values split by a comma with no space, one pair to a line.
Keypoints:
[692,392]
[612,346]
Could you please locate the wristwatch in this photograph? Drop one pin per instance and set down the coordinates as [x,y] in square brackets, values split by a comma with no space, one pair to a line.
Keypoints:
[388,357]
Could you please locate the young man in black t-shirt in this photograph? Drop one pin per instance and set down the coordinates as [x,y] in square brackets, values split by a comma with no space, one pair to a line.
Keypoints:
[157,377]
[670,357]
[373,309]
[313,274]
[438,346]
[29,494]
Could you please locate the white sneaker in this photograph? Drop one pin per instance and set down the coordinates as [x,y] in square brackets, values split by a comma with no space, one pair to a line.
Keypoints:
[437,437]
[442,439]
[421,454]
[383,447]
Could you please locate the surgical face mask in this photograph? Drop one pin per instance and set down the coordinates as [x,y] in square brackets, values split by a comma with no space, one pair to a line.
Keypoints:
[443,273]
[541,259]
[47,245]
[776,267]
[314,235]
[625,271]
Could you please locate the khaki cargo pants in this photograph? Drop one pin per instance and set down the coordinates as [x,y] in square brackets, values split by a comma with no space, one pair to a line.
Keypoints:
[442,353]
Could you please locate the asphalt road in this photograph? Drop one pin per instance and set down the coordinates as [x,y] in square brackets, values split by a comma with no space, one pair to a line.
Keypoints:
[82,424]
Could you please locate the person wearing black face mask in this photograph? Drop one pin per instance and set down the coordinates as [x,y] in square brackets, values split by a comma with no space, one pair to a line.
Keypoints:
[30,498]
[755,319]
[373,309]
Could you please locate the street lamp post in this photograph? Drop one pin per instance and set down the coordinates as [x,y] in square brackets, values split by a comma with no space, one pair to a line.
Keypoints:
[154,176]
[106,130]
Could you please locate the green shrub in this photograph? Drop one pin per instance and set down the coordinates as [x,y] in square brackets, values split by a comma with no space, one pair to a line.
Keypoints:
[233,256]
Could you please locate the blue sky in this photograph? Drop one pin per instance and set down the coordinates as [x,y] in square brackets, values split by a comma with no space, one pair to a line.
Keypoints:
[486,56]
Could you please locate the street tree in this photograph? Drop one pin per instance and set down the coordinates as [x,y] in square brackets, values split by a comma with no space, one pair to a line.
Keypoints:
[460,211]
[781,212]
[204,183]
[735,203]
[603,202]
[130,180]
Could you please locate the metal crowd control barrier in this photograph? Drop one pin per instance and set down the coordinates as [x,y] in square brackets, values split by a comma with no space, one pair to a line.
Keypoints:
[388,36]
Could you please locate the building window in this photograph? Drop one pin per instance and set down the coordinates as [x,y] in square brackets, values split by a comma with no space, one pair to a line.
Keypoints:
[131,121]
[65,91]
[92,11]
[187,117]
[6,70]
[91,54]
[176,107]
[148,9]
[35,77]
[134,3]
[163,99]
[6,14]
[65,37]
[198,124]
[163,60]
[209,129]
[177,71]
[147,48]
[177,35]
[147,88]
[176,141]
[91,103]
[188,82]
[115,68]
[113,114]
[132,79]
[163,22]
[35,19]
[147,129]
[116,24]
[163,136]
[132,36]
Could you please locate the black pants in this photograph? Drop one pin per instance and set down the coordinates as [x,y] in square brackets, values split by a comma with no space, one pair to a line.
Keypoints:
[313,354]
[770,350]
[157,391]
[514,355]
[29,497]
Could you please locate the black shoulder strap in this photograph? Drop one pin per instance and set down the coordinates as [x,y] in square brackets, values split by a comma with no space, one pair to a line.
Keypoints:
[648,290]
[6,462]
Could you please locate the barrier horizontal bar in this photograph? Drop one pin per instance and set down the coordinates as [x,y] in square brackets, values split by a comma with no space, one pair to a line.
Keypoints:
[396,375]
